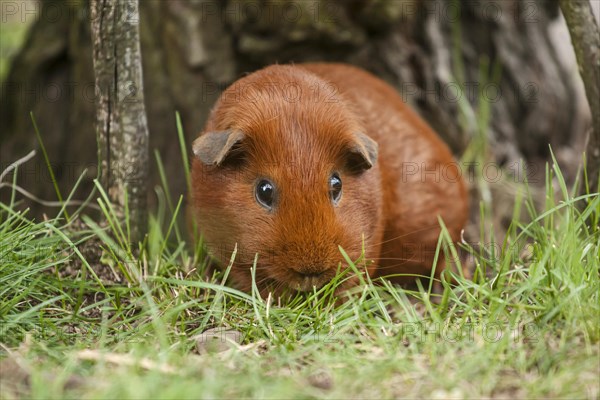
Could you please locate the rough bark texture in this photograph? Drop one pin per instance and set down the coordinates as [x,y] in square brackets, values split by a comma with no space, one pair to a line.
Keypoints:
[425,48]
[586,42]
[121,124]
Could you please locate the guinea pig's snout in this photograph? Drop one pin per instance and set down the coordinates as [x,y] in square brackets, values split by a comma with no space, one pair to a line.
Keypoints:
[308,271]
[307,278]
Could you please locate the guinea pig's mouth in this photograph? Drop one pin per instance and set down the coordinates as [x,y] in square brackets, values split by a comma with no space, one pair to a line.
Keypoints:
[306,282]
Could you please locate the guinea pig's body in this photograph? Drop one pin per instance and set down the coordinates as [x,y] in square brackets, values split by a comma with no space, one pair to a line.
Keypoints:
[296,161]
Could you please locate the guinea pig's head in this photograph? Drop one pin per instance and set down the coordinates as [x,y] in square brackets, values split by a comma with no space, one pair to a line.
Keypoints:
[287,178]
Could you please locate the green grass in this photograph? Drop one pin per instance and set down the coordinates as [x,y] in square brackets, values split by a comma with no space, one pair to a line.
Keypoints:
[85,314]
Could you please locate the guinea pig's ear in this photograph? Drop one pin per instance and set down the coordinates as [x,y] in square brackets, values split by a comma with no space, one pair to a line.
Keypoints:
[362,153]
[213,148]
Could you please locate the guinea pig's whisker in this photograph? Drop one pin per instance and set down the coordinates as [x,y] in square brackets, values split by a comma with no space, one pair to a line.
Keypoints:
[391,266]
[401,236]
[395,259]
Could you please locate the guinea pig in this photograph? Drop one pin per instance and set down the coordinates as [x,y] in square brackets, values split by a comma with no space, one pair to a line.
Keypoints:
[296,161]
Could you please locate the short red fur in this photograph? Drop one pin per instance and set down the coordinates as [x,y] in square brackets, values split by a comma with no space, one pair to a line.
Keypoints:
[296,126]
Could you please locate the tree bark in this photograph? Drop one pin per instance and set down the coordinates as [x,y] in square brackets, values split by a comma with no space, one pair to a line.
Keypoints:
[121,124]
[586,42]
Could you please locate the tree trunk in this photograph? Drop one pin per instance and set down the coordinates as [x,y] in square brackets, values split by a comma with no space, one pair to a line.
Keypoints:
[586,42]
[121,125]
[450,59]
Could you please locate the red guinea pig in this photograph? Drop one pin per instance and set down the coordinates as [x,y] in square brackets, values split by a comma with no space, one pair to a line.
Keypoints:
[296,161]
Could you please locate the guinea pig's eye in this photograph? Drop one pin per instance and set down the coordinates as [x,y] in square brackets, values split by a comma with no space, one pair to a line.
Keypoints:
[265,193]
[335,188]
